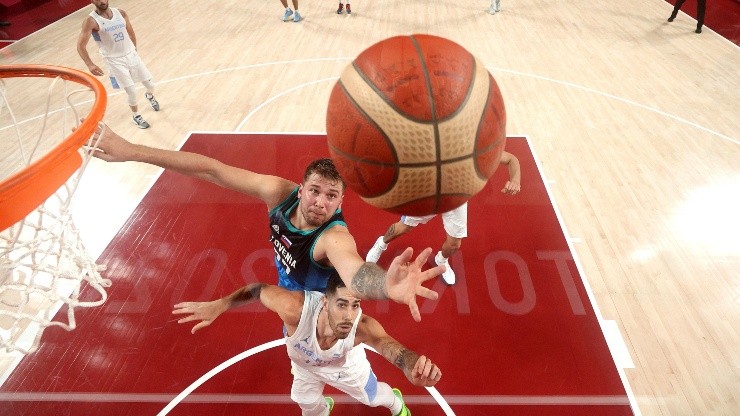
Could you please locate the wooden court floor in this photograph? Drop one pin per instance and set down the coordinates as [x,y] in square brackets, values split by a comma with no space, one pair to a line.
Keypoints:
[634,122]
[519,320]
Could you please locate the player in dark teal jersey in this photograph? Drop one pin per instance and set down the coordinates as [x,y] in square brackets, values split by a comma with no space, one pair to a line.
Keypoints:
[313,206]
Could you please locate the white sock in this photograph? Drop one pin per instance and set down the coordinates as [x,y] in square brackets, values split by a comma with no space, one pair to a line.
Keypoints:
[383,244]
[440,259]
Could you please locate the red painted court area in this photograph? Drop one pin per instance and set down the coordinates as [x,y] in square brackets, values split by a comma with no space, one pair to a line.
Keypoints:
[516,335]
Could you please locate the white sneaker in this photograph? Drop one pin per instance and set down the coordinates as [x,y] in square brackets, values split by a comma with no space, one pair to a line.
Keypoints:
[139,121]
[492,8]
[152,101]
[376,250]
[287,14]
[498,5]
[448,275]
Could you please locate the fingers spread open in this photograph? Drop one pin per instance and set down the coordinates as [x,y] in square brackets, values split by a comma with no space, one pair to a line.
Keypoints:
[423,256]
[415,310]
[433,272]
[426,293]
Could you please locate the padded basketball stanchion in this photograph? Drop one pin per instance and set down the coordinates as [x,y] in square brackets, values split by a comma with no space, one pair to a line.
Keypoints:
[43,261]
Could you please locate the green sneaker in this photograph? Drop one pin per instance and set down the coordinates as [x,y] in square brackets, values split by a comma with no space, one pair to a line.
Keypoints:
[405,410]
[330,403]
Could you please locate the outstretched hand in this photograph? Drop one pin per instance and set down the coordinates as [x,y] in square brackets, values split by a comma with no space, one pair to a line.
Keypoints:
[110,146]
[425,373]
[205,312]
[404,279]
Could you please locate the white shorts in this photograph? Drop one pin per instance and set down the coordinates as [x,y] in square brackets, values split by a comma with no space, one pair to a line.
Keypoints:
[358,381]
[455,221]
[125,71]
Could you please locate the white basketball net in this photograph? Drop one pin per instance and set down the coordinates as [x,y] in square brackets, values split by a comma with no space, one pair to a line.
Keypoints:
[43,261]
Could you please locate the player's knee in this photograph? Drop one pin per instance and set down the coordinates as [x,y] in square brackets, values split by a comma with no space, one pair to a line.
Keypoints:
[316,408]
[308,403]
[131,93]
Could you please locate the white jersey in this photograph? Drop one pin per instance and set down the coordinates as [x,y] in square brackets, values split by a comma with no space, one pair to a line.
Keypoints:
[112,37]
[304,349]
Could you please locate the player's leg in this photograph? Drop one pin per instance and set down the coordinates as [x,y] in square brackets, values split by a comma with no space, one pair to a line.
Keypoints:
[149,85]
[288,11]
[296,15]
[340,10]
[397,229]
[456,227]
[349,9]
[140,73]
[307,392]
[492,7]
[120,78]
[676,8]
[362,384]
[138,119]
[701,6]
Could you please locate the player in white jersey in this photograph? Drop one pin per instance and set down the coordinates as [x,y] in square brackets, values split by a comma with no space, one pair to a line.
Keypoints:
[323,333]
[112,31]
[455,224]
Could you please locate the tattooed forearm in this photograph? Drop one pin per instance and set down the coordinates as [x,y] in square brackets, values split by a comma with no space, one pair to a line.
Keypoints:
[390,234]
[399,355]
[369,282]
[246,294]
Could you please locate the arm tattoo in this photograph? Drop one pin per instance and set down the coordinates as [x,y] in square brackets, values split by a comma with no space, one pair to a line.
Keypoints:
[246,294]
[369,282]
[399,355]
[390,233]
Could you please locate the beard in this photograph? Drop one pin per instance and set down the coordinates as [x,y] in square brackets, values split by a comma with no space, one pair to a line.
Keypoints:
[311,218]
[340,332]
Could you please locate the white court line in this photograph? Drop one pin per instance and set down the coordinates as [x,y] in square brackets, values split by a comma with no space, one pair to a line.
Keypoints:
[504,70]
[459,400]
[614,97]
[205,377]
[275,97]
[235,359]
[519,73]
[589,292]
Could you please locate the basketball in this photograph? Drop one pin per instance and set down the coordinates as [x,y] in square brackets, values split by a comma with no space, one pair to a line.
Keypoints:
[416,125]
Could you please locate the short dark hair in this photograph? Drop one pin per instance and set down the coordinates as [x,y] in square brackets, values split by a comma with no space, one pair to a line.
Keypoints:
[335,282]
[324,168]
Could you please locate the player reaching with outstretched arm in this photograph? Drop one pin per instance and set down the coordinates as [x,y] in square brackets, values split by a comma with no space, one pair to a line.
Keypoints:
[308,232]
[323,333]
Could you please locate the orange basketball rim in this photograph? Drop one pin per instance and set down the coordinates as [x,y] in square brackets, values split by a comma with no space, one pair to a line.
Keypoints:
[25,190]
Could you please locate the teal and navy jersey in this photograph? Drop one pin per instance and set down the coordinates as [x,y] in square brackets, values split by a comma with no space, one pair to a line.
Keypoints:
[297,269]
